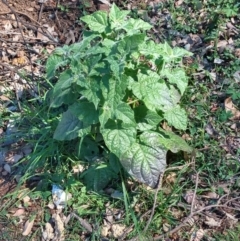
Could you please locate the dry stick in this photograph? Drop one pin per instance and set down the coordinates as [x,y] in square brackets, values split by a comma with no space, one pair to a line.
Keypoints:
[21,13]
[184,223]
[84,223]
[56,11]
[195,191]
[40,12]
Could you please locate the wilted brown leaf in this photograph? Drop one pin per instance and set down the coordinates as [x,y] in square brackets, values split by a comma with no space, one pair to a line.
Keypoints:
[229,106]
[28,227]
[212,222]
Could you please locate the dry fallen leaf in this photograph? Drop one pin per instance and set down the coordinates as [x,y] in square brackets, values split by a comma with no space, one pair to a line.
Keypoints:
[48,233]
[197,235]
[188,196]
[19,212]
[212,222]
[105,229]
[229,106]
[118,230]
[28,227]
[59,227]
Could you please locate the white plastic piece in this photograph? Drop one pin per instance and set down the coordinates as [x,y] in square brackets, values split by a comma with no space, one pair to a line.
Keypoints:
[60,197]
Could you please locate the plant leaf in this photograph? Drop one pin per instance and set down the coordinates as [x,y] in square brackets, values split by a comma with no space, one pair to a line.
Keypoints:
[118,139]
[176,76]
[145,160]
[173,142]
[144,80]
[98,176]
[69,127]
[133,26]
[92,92]
[130,43]
[62,92]
[85,111]
[176,117]
[53,63]
[160,97]
[105,113]
[117,16]
[125,113]
[88,149]
[97,21]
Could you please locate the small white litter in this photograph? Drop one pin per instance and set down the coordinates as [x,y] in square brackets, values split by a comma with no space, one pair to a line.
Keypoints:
[60,197]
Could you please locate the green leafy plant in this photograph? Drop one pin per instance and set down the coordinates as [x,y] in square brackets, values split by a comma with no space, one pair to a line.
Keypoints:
[116,87]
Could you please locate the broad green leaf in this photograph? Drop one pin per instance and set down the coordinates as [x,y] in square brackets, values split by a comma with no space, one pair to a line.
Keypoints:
[174,54]
[146,119]
[97,21]
[124,113]
[143,126]
[98,176]
[106,113]
[176,76]
[117,138]
[78,49]
[53,63]
[153,118]
[160,97]
[133,26]
[130,43]
[176,117]
[151,48]
[69,127]
[117,16]
[144,80]
[92,91]
[173,142]
[114,163]
[108,43]
[61,50]
[60,97]
[167,49]
[116,65]
[62,92]
[85,111]
[180,52]
[113,90]
[145,160]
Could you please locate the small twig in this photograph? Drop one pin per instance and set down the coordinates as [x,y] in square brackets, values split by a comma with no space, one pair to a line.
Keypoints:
[195,191]
[155,201]
[184,223]
[40,12]
[84,223]
[18,12]
[55,13]
[178,167]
